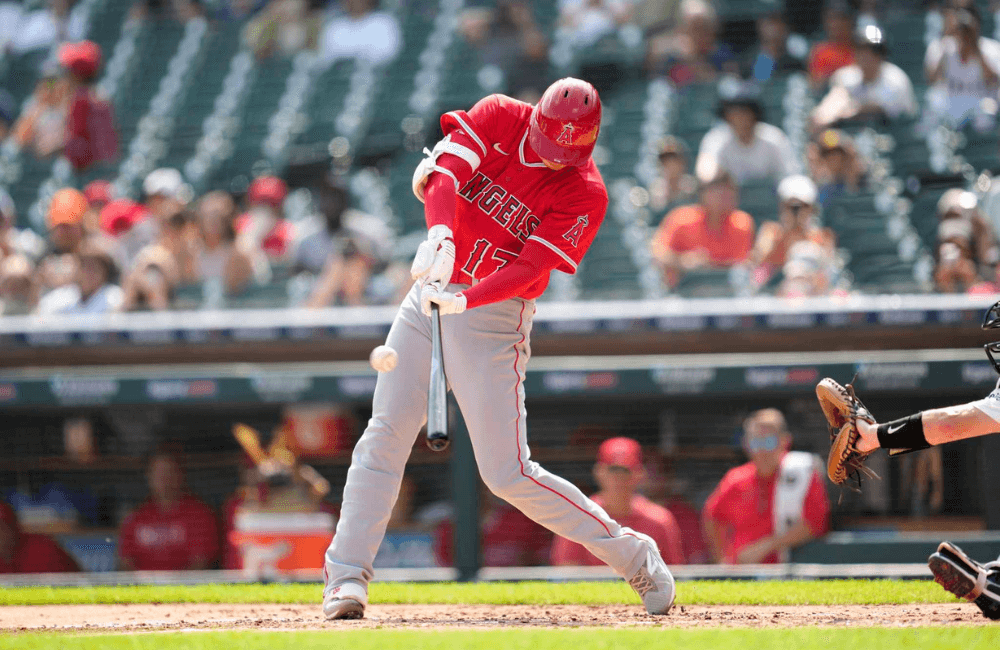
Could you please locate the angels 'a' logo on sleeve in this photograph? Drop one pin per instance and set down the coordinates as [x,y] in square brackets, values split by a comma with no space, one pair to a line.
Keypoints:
[573,234]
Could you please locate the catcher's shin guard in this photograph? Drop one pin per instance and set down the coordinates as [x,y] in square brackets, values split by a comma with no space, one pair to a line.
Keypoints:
[966,578]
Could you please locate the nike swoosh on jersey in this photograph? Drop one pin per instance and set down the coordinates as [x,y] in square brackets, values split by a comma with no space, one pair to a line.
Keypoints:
[496,145]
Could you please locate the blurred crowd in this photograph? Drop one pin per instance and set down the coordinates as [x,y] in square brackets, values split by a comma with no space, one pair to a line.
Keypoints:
[758,513]
[789,252]
[165,248]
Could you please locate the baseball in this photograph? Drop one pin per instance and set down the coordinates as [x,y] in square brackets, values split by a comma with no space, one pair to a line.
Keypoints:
[383,358]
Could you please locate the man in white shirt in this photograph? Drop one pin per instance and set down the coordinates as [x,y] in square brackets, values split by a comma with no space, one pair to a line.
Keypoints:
[744,146]
[963,66]
[361,33]
[870,87]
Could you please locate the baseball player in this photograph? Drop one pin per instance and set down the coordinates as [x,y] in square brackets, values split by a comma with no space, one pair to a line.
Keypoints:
[856,435]
[510,194]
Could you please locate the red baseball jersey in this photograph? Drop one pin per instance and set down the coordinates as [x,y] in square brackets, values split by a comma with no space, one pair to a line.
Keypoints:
[157,540]
[507,196]
[744,503]
[645,517]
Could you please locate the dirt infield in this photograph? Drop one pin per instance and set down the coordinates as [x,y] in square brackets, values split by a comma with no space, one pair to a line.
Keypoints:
[150,618]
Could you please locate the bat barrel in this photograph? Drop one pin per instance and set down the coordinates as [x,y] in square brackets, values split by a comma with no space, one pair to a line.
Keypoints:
[437,397]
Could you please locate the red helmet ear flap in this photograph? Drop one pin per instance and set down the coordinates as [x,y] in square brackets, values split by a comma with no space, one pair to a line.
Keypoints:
[566,122]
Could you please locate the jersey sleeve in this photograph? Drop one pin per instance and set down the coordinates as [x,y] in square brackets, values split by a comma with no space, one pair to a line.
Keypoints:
[569,230]
[469,134]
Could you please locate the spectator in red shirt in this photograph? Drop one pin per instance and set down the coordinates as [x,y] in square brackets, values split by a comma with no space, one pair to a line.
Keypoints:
[712,234]
[22,552]
[618,473]
[838,50]
[263,226]
[90,130]
[768,506]
[173,530]
[509,538]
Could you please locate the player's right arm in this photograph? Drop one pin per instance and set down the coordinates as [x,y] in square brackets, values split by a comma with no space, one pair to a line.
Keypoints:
[436,180]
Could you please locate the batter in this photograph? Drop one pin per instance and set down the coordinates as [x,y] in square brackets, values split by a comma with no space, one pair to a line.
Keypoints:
[510,194]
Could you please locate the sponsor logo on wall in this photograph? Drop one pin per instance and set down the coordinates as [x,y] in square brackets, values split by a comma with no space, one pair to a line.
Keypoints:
[778,376]
[565,382]
[892,375]
[79,390]
[677,381]
[281,387]
[165,390]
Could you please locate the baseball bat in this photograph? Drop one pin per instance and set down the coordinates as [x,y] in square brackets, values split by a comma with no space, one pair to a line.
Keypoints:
[437,397]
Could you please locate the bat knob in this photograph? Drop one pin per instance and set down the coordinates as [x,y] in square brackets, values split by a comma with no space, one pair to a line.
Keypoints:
[437,443]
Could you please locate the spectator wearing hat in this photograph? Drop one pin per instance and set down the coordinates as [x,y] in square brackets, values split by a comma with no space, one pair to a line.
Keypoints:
[91,136]
[675,186]
[64,220]
[837,50]
[963,67]
[173,530]
[119,220]
[871,87]
[713,233]
[967,249]
[93,290]
[836,166]
[218,259]
[14,241]
[263,226]
[165,193]
[98,194]
[763,509]
[18,286]
[796,222]
[618,473]
[743,145]
[777,53]
[41,128]
[22,552]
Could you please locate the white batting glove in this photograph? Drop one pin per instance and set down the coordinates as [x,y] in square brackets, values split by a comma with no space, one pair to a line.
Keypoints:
[435,258]
[447,302]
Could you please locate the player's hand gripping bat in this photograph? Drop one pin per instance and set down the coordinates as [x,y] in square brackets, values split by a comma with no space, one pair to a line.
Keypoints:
[437,396]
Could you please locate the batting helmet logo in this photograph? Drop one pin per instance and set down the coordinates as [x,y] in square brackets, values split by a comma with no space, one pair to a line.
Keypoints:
[566,135]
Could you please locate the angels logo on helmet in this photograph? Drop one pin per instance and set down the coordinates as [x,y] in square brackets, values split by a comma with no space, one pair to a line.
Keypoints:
[566,135]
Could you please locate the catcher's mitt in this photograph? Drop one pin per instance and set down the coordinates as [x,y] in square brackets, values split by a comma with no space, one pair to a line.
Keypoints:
[843,409]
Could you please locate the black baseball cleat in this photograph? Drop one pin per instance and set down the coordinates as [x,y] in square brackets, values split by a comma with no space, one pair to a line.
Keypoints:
[968,579]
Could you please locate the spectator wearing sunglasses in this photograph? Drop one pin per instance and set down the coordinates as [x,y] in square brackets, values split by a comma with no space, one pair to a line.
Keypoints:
[619,472]
[768,506]
[796,223]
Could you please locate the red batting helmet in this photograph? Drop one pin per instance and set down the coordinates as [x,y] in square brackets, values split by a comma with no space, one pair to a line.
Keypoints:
[565,122]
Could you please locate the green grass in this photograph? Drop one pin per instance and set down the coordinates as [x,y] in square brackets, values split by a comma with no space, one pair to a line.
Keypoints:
[827,592]
[966,638]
